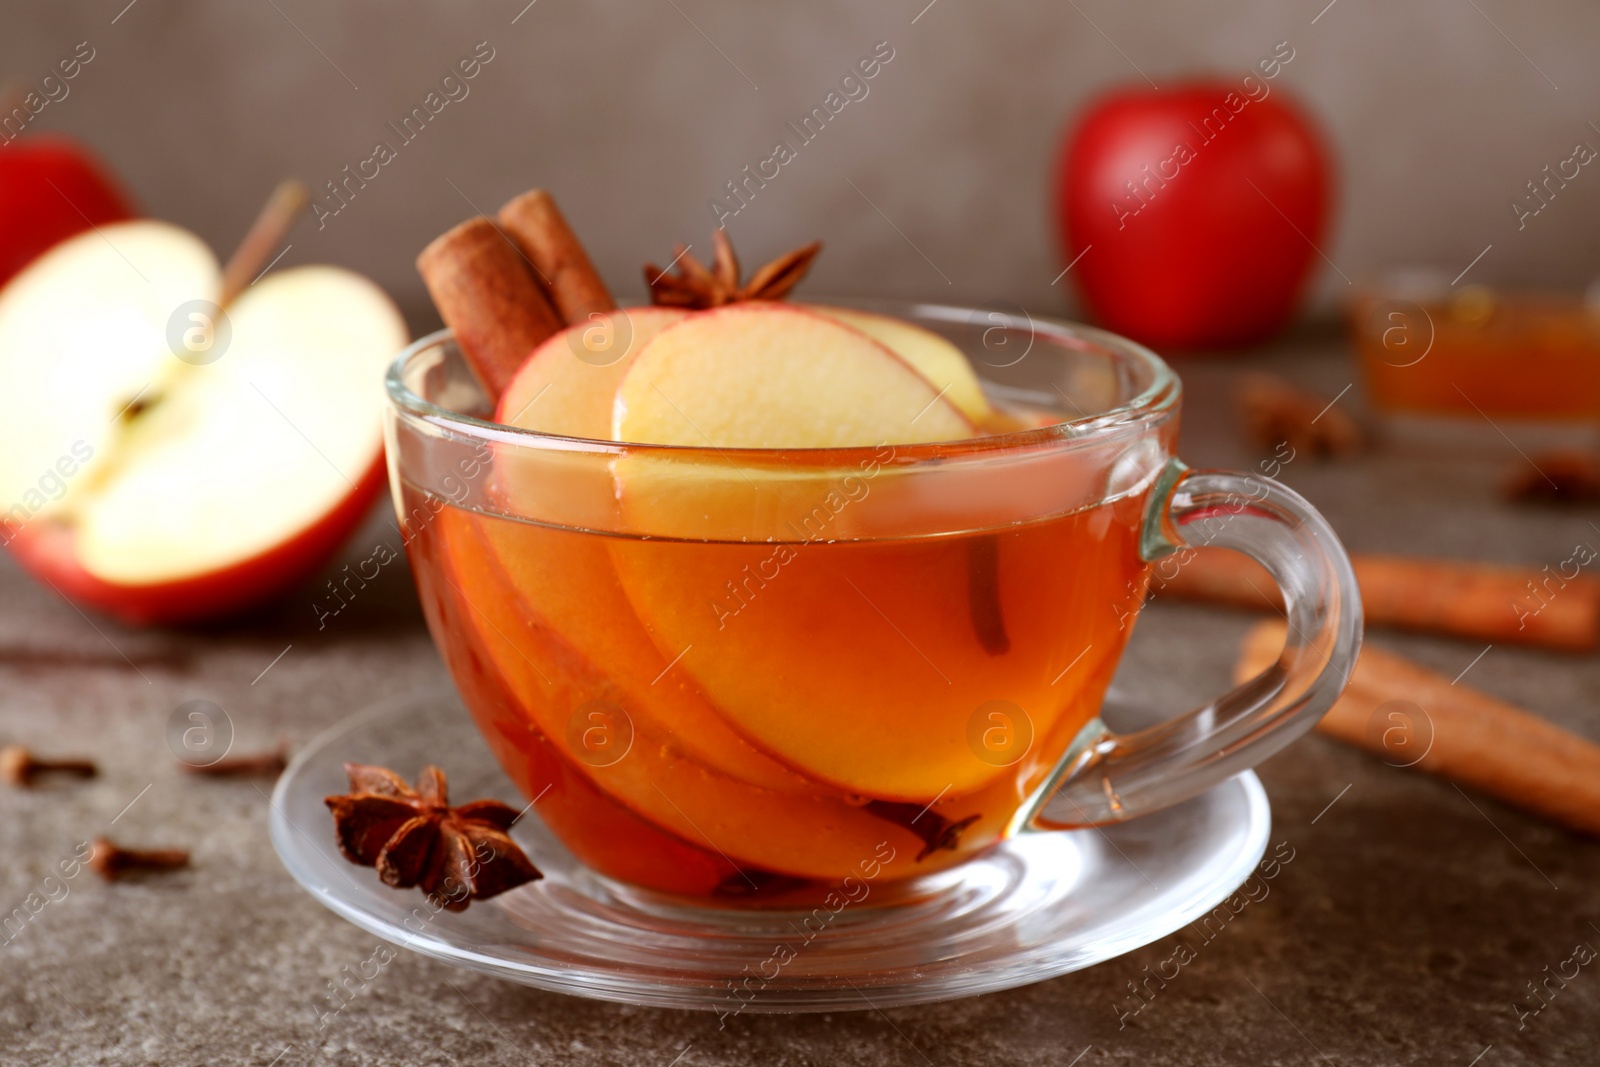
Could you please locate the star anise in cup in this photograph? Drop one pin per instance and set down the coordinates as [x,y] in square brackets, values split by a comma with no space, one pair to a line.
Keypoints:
[698,287]
[415,838]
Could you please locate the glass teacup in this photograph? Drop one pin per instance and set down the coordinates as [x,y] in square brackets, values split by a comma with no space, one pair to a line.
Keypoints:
[733,673]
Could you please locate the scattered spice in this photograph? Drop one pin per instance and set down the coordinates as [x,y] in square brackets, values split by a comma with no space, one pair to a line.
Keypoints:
[696,286]
[110,861]
[1277,412]
[575,288]
[938,833]
[1560,476]
[20,767]
[415,838]
[267,764]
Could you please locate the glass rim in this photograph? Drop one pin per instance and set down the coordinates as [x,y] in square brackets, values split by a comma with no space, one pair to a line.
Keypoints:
[1151,405]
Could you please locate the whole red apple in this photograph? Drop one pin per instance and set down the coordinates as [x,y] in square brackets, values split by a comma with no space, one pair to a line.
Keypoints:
[50,189]
[1200,206]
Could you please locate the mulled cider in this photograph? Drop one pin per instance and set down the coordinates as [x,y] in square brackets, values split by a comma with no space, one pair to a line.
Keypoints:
[840,698]
[751,595]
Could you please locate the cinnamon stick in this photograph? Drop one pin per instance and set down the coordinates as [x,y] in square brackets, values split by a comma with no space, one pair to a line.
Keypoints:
[983,595]
[1453,731]
[487,293]
[575,287]
[1555,607]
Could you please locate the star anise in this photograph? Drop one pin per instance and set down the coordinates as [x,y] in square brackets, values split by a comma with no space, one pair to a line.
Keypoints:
[697,286]
[415,838]
[1278,413]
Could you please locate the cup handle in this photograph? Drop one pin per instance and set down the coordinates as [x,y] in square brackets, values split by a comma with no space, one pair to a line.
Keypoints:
[1107,777]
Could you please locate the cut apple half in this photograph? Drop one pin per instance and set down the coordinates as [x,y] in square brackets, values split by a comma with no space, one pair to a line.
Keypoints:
[936,359]
[200,485]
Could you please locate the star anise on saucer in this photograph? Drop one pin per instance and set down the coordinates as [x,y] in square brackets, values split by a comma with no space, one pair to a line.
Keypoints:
[698,287]
[415,838]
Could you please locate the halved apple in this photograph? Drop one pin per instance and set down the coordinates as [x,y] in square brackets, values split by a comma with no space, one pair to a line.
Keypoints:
[935,358]
[168,489]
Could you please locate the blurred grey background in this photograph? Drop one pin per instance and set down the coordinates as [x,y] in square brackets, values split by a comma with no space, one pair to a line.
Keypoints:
[937,184]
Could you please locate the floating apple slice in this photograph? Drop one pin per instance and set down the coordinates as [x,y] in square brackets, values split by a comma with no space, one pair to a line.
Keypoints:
[764,375]
[567,385]
[566,581]
[167,489]
[936,359]
[808,836]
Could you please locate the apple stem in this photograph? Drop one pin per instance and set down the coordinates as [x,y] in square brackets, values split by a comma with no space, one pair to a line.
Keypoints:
[265,235]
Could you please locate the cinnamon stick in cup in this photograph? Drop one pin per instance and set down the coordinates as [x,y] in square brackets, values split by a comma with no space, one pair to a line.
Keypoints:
[1480,601]
[575,287]
[487,293]
[1411,717]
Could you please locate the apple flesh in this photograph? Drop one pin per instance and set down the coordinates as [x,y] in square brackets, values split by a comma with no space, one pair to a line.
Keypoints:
[567,384]
[565,581]
[206,484]
[937,360]
[771,376]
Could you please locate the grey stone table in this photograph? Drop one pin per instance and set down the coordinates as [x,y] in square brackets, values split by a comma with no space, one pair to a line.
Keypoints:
[1405,930]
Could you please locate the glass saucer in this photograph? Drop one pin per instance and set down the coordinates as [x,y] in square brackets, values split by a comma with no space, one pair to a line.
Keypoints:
[1040,905]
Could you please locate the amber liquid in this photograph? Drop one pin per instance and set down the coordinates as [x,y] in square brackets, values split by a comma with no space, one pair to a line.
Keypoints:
[1520,357]
[735,720]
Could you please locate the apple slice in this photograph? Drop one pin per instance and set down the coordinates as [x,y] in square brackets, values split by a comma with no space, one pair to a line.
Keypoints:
[800,834]
[566,581]
[767,376]
[763,375]
[168,489]
[936,359]
[567,385]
